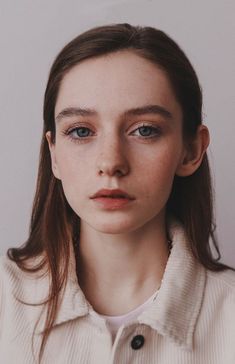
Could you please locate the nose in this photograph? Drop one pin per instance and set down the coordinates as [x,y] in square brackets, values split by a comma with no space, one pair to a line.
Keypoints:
[112,159]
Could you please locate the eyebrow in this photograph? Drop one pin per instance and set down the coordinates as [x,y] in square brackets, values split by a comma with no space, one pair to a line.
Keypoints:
[149,109]
[138,111]
[75,111]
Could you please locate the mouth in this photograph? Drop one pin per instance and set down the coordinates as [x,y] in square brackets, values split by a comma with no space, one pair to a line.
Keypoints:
[112,199]
[112,194]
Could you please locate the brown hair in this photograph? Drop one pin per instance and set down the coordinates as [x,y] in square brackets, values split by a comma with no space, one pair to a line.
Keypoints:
[53,223]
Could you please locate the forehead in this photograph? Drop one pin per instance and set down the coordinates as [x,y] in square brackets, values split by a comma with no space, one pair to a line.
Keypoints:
[119,80]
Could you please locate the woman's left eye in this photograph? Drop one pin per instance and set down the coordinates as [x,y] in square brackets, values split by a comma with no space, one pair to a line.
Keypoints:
[148,131]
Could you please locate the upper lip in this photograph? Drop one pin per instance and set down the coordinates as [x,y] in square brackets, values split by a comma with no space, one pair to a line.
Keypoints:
[113,193]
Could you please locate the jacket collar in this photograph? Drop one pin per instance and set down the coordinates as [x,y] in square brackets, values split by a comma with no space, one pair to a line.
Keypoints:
[72,301]
[175,311]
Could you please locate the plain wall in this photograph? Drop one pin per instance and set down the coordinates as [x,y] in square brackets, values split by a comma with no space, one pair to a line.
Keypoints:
[33,32]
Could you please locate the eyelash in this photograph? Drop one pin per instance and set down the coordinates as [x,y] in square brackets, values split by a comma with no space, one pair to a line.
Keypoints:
[157,132]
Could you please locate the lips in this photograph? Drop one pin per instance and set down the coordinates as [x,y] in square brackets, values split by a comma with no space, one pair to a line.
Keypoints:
[115,193]
[112,200]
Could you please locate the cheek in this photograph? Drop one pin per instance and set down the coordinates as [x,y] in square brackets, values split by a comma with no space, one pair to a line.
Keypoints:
[157,175]
[159,180]
[74,177]
[74,181]
[160,165]
[71,165]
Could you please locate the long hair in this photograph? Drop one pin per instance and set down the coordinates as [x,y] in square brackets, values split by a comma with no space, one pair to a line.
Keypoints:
[54,225]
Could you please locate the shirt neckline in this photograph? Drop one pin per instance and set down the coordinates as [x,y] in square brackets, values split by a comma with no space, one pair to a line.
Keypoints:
[134,311]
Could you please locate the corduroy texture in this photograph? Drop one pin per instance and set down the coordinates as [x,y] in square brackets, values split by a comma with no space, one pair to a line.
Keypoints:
[192,321]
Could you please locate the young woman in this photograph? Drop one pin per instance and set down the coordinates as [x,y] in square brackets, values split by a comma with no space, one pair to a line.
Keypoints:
[118,266]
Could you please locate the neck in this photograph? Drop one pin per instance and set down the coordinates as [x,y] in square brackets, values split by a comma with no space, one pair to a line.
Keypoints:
[118,272]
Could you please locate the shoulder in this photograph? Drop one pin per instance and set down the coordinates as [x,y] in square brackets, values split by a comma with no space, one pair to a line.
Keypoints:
[9,279]
[21,296]
[222,284]
[225,278]
[8,267]
[15,281]
[10,272]
[12,278]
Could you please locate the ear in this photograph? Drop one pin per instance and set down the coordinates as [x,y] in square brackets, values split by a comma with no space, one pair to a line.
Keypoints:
[54,165]
[194,152]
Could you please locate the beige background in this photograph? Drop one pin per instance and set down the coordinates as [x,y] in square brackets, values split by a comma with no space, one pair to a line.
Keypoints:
[32,33]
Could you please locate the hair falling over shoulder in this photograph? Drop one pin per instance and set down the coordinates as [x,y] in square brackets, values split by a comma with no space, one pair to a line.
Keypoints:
[54,225]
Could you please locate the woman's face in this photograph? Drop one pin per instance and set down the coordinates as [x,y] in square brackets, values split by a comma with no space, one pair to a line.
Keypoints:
[118,126]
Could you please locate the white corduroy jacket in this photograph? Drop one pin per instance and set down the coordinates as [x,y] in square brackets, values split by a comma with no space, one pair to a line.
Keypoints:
[192,321]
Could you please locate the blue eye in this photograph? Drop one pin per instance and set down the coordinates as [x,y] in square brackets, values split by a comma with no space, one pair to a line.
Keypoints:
[145,130]
[80,132]
[148,131]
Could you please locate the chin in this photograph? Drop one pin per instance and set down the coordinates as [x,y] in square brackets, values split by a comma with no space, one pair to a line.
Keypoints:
[112,227]
[116,227]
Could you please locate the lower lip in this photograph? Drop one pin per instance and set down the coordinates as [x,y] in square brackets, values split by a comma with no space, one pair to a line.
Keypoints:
[112,203]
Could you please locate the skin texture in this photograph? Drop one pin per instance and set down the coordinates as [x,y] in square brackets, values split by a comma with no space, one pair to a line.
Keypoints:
[123,252]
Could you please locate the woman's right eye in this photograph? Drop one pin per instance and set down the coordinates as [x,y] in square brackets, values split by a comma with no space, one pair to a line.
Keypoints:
[77,134]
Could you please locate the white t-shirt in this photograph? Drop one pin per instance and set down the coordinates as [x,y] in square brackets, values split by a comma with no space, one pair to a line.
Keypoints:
[114,322]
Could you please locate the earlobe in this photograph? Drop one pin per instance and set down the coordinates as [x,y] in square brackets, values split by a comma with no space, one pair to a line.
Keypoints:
[194,153]
[51,146]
